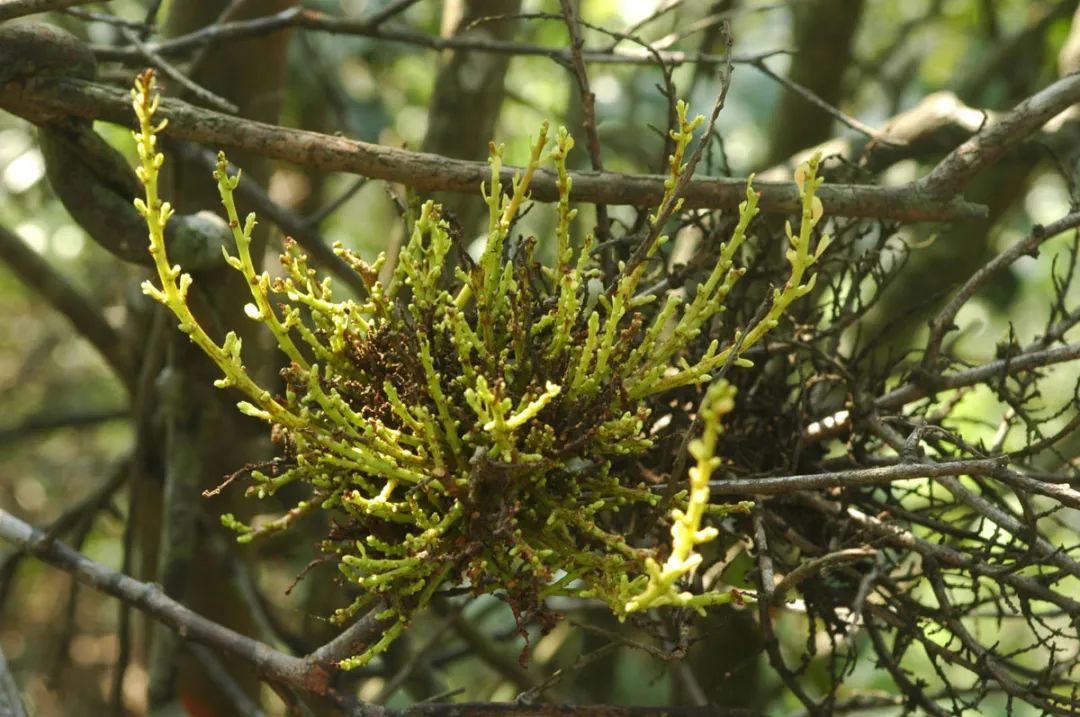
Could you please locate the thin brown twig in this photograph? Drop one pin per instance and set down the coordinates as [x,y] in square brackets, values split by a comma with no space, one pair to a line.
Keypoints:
[588,105]
[943,322]
[389,12]
[835,112]
[297,17]
[677,198]
[242,705]
[43,422]
[171,71]
[814,567]
[304,231]
[777,485]
[927,386]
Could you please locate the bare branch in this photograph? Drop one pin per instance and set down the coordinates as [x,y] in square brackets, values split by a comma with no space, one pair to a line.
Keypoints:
[242,705]
[10,9]
[311,673]
[909,392]
[857,477]
[312,20]
[48,99]
[588,103]
[305,232]
[814,99]
[171,71]
[497,709]
[943,322]
[814,567]
[987,147]
[50,421]
[931,385]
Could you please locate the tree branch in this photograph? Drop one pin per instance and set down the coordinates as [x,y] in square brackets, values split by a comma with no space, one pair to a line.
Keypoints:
[10,9]
[851,478]
[47,99]
[836,424]
[510,709]
[987,147]
[311,673]
[371,27]
[943,322]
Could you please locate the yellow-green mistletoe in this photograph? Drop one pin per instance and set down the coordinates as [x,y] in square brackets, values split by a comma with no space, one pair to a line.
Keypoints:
[474,429]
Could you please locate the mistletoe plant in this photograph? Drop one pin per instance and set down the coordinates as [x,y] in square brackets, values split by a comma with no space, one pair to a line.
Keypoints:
[473,430]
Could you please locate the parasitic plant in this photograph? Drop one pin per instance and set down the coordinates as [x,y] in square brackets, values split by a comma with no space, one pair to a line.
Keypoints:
[474,429]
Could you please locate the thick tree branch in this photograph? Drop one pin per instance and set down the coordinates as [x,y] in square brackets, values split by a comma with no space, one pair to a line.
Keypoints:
[47,99]
[311,673]
[18,8]
[988,146]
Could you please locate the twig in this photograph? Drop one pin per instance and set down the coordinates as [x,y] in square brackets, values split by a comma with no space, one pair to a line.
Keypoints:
[777,485]
[835,112]
[353,640]
[302,230]
[943,322]
[909,392]
[10,9]
[296,17]
[389,12]
[312,673]
[170,70]
[679,192]
[838,423]
[498,709]
[113,20]
[48,99]
[763,556]
[553,679]
[44,422]
[317,217]
[153,358]
[815,566]
[588,105]
[900,537]
[483,649]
